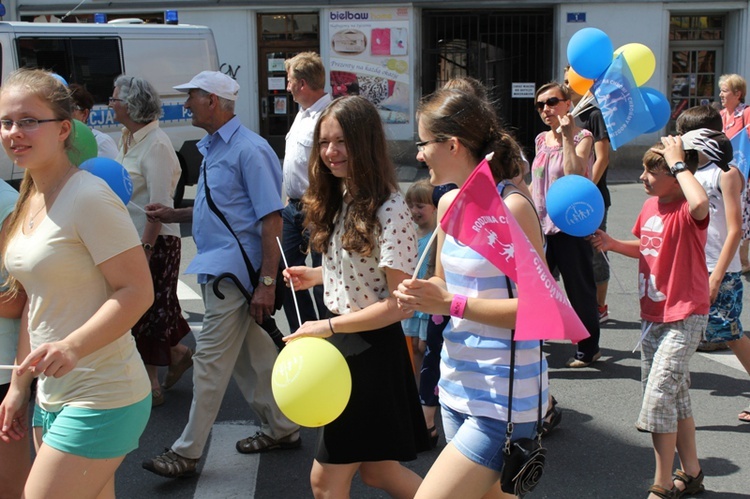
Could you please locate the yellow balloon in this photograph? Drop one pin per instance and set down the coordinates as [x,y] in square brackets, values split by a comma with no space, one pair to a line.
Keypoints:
[311,382]
[640,59]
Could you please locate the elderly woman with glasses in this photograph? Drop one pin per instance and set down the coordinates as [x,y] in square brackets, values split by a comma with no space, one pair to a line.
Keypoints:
[147,154]
[563,150]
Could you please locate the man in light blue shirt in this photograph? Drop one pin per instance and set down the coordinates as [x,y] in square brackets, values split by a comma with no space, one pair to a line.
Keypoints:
[243,177]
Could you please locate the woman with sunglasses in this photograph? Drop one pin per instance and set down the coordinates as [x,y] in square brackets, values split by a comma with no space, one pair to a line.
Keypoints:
[563,150]
[72,248]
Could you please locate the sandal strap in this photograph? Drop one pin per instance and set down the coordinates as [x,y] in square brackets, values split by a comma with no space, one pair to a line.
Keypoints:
[662,492]
[258,441]
[693,484]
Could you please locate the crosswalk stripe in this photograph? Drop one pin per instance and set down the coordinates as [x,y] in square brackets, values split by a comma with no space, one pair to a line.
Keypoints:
[727,358]
[185,292]
[227,473]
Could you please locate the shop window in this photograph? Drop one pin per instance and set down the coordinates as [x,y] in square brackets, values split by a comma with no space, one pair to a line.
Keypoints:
[288,27]
[696,48]
[696,28]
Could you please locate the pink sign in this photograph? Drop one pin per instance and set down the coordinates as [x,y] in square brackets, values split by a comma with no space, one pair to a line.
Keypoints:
[478,218]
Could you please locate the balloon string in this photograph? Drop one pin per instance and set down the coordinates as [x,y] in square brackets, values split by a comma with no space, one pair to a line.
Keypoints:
[136,206]
[612,271]
[425,252]
[7,367]
[291,284]
[643,335]
[587,102]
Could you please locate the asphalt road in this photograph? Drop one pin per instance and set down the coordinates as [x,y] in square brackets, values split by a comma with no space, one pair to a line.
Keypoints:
[595,453]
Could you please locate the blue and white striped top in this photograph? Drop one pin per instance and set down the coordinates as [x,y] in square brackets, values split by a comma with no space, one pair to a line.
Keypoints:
[475,360]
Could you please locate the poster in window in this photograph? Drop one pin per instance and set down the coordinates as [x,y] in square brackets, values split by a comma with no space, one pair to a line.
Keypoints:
[370,57]
[279,105]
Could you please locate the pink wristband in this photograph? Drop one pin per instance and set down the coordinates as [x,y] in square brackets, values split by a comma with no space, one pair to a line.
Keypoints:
[458,305]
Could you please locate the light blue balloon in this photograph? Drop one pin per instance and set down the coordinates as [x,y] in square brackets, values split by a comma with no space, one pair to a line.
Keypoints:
[60,79]
[112,172]
[575,205]
[658,106]
[590,52]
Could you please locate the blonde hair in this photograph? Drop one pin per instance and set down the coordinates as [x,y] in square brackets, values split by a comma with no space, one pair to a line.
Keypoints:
[309,67]
[736,83]
[420,192]
[50,90]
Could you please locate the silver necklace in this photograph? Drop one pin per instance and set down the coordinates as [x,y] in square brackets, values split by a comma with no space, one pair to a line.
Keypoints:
[44,205]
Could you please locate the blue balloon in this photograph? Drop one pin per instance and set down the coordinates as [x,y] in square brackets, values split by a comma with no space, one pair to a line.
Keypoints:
[590,52]
[575,205]
[112,172]
[658,106]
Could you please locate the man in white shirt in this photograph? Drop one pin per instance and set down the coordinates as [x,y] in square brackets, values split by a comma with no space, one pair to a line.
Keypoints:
[305,81]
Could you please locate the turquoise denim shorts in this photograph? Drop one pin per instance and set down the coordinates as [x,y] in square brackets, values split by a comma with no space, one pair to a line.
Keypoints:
[94,433]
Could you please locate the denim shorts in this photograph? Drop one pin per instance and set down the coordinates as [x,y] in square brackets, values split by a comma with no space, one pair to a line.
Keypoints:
[94,433]
[481,439]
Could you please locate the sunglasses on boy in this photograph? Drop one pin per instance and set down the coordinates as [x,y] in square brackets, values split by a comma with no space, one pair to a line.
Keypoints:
[551,102]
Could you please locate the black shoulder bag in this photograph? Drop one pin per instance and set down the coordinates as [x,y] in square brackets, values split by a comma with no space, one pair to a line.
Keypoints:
[523,459]
[269,324]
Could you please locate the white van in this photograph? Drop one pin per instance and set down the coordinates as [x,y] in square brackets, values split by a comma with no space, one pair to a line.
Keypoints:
[93,55]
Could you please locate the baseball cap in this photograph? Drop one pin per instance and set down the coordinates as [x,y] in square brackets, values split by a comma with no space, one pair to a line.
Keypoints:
[213,82]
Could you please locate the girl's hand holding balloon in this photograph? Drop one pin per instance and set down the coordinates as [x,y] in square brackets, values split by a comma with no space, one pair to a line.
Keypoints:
[423,296]
[51,359]
[313,329]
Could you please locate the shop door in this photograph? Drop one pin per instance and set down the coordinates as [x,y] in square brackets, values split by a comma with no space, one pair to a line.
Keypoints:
[281,36]
[693,80]
[696,45]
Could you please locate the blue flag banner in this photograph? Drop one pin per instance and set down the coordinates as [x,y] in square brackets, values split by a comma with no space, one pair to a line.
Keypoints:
[741,146]
[623,109]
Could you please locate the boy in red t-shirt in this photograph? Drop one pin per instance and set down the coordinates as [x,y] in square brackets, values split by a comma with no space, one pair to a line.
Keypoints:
[671,232]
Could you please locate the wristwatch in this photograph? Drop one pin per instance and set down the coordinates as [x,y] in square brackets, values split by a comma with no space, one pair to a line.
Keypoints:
[677,168]
[148,247]
[267,280]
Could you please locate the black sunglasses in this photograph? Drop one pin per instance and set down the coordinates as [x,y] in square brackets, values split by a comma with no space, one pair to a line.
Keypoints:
[551,102]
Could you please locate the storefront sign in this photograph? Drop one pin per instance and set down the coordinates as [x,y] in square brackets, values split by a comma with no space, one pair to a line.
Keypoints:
[523,90]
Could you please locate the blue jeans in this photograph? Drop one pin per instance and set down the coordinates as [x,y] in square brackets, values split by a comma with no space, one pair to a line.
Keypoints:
[295,246]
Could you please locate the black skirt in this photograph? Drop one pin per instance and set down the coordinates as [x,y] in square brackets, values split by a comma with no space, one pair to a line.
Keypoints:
[383,419]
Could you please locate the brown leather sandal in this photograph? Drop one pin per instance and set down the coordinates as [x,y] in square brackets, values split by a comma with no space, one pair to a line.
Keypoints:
[693,484]
[260,442]
[662,492]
